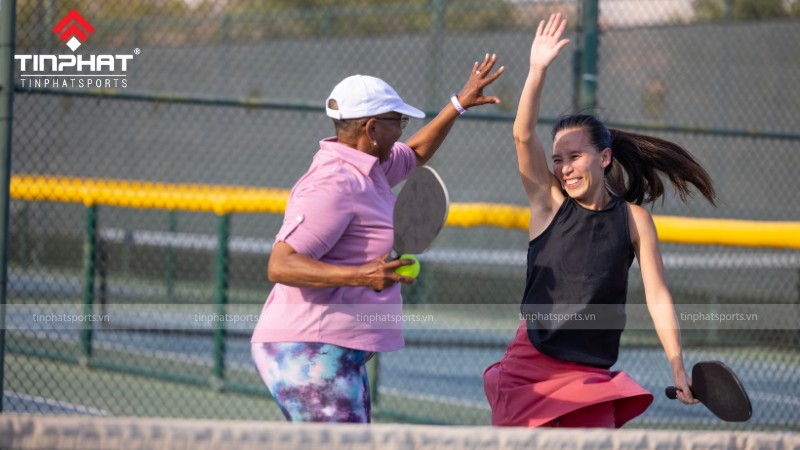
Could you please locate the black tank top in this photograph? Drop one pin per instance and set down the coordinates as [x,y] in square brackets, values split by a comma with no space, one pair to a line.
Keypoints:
[577,284]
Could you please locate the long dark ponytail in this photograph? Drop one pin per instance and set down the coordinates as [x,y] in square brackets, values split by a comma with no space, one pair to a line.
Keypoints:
[638,159]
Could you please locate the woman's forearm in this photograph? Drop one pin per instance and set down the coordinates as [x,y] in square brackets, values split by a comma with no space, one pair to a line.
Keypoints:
[668,331]
[297,270]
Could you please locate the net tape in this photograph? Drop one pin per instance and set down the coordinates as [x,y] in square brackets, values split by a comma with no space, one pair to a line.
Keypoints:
[25,431]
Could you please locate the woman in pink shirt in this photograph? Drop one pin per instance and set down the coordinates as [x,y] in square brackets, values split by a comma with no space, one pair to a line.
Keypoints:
[336,297]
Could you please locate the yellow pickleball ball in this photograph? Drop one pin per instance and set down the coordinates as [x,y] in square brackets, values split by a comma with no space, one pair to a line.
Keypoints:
[411,270]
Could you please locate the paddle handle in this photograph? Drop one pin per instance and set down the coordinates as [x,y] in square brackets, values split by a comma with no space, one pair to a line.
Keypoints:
[671,392]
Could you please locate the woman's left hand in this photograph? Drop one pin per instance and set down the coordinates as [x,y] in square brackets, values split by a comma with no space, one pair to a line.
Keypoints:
[683,383]
[472,92]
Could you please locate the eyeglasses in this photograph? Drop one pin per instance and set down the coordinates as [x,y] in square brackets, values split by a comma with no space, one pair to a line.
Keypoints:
[403,120]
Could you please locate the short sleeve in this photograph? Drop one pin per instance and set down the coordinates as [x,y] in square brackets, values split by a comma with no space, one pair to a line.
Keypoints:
[317,215]
[402,161]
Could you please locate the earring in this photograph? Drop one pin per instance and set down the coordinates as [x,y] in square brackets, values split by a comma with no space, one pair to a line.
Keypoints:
[374,143]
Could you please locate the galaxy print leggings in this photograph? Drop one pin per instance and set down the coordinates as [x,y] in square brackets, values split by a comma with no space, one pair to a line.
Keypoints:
[315,382]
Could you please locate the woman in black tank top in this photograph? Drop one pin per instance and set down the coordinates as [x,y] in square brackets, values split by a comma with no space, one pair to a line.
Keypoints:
[587,225]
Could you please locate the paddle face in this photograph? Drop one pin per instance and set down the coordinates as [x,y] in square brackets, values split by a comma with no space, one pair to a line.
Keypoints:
[716,386]
[420,211]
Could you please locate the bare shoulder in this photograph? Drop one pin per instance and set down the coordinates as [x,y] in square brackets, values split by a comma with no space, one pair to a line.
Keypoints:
[543,212]
[544,199]
[638,213]
[640,222]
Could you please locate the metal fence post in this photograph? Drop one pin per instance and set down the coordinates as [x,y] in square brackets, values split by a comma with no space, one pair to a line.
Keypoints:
[221,299]
[101,265]
[588,39]
[26,239]
[170,269]
[8,10]
[437,12]
[373,366]
[728,10]
[89,249]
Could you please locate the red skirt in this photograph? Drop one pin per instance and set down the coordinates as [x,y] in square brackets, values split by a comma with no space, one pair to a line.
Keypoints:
[529,389]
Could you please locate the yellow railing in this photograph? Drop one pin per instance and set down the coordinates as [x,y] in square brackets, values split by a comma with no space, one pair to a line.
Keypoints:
[149,195]
[221,199]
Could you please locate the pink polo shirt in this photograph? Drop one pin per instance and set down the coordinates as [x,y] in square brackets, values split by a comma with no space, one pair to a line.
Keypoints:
[340,212]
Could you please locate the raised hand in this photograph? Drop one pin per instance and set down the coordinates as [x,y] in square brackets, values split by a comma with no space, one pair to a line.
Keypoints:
[480,77]
[548,42]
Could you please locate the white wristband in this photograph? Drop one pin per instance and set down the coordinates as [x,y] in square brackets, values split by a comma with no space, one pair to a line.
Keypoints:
[457,104]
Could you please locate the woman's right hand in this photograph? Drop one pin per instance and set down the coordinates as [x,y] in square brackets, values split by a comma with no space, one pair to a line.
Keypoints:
[548,42]
[380,274]
[480,77]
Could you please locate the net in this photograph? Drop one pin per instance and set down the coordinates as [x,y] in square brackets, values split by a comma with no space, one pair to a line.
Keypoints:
[21,431]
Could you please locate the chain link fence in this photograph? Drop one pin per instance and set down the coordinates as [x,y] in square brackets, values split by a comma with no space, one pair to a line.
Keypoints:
[114,308]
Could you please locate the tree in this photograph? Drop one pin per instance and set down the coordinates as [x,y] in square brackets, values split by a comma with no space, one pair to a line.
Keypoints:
[363,17]
[716,10]
[758,9]
[709,10]
[172,22]
[36,18]
[794,11]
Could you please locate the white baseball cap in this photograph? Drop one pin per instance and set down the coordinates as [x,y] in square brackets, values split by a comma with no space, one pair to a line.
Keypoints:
[364,96]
